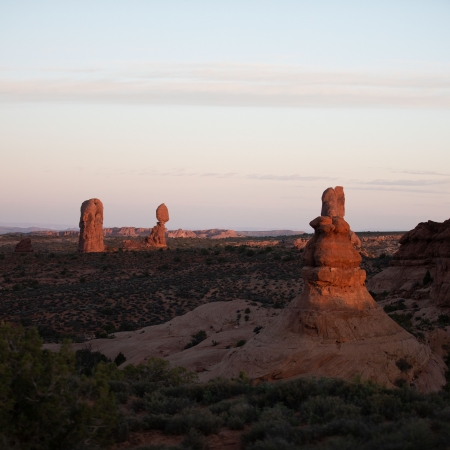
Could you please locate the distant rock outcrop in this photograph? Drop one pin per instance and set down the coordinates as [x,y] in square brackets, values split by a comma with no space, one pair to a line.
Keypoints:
[181,234]
[24,246]
[91,227]
[424,249]
[216,233]
[335,328]
[300,243]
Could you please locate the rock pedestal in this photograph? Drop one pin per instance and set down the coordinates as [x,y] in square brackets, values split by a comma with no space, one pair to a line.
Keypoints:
[157,237]
[24,246]
[335,328]
[91,227]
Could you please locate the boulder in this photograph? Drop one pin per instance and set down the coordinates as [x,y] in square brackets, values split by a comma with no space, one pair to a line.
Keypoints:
[24,246]
[91,227]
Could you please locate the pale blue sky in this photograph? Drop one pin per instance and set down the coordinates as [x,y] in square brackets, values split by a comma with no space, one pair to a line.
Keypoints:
[233,113]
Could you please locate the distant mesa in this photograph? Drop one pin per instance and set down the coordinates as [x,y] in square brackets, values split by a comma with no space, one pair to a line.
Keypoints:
[24,246]
[181,234]
[424,249]
[91,227]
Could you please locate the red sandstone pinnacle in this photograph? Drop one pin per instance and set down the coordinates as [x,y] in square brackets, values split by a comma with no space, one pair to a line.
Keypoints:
[333,202]
[91,227]
[24,246]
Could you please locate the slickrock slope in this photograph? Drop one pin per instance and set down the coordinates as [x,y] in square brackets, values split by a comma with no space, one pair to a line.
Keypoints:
[24,246]
[91,227]
[335,328]
[219,320]
[425,248]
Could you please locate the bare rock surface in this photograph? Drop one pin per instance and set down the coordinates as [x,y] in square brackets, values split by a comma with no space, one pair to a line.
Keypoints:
[424,249]
[24,246]
[91,227]
[219,320]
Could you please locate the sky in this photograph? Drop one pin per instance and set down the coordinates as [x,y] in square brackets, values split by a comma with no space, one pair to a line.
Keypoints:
[235,114]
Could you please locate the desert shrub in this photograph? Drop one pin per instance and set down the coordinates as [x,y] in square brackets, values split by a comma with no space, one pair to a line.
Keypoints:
[196,339]
[444,319]
[404,320]
[86,360]
[199,419]
[119,359]
[157,403]
[394,307]
[241,343]
[322,409]
[427,278]
[403,365]
[43,403]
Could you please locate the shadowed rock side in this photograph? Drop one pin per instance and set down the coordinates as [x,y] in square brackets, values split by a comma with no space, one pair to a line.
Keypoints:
[335,328]
[425,248]
[91,227]
[24,246]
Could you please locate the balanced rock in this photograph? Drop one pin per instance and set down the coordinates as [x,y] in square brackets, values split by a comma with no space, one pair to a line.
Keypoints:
[425,248]
[335,328]
[157,238]
[24,246]
[91,227]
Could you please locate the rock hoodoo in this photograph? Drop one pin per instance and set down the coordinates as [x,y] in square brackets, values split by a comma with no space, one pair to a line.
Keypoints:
[157,238]
[335,328]
[91,227]
[425,248]
[24,246]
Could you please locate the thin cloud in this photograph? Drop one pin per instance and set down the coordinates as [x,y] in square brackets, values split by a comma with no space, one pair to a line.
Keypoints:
[394,189]
[406,182]
[423,172]
[227,85]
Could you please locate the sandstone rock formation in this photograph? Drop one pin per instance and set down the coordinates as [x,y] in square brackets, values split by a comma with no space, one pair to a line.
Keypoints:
[157,237]
[335,328]
[300,243]
[91,227]
[24,246]
[216,233]
[425,248]
[181,234]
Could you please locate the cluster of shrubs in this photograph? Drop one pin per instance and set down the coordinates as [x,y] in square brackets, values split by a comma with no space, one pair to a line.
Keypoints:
[68,400]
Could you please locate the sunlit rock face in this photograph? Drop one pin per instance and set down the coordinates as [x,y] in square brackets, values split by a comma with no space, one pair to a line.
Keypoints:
[91,227]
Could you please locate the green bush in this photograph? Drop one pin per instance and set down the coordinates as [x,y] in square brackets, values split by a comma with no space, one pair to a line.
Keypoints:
[43,403]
